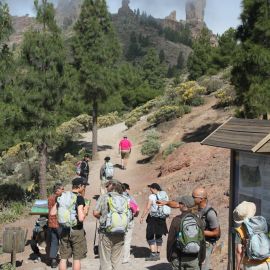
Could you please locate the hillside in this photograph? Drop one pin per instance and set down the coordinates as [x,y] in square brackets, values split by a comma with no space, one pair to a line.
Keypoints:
[188,166]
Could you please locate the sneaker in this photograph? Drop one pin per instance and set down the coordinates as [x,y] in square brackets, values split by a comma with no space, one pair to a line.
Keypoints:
[152,257]
[54,263]
[158,255]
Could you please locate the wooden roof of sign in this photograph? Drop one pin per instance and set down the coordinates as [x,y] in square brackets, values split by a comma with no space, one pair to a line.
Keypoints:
[250,135]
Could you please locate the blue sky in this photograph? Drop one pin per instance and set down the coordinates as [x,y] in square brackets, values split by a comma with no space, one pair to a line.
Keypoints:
[219,15]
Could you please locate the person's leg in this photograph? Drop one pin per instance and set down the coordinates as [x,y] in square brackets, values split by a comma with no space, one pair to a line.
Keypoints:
[63,264]
[153,248]
[117,250]
[128,237]
[207,263]
[53,243]
[190,263]
[76,265]
[175,264]
[104,250]
[159,242]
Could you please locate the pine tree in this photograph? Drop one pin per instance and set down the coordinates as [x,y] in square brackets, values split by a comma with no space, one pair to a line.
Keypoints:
[41,84]
[250,72]
[96,52]
[152,72]
[199,60]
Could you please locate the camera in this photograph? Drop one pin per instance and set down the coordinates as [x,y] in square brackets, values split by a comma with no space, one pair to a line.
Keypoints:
[95,249]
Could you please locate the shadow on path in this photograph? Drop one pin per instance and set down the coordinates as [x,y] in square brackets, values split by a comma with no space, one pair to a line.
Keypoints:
[161,266]
[145,160]
[140,252]
[200,134]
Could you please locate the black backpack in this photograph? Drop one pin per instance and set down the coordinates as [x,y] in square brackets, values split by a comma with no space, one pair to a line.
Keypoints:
[203,217]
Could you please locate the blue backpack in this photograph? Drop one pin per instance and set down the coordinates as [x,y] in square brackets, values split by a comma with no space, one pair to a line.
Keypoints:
[257,242]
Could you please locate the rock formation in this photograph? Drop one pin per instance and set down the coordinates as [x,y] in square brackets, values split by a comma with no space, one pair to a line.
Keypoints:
[172,16]
[171,21]
[125,9]
[195,10]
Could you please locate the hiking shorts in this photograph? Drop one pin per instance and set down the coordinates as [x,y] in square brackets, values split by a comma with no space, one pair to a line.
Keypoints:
[73,243]
[125,154]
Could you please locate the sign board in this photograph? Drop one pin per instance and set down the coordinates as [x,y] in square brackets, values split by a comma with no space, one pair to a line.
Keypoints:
[252,181]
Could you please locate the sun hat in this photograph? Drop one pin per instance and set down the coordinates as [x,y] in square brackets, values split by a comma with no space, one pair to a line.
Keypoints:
[244,210]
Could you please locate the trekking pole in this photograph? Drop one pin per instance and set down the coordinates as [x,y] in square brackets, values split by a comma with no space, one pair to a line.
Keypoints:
[95,249]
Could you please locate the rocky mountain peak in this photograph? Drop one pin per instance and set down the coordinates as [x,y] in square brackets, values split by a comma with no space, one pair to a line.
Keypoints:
[195,10]
[125,9]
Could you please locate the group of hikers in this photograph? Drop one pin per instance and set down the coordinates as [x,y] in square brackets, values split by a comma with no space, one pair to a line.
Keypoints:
[192,236]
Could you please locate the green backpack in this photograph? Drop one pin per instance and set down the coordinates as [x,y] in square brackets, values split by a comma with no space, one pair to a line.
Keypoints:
[190,236]
[118,214]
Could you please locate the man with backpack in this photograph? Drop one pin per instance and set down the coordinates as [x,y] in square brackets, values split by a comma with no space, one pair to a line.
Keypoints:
[210,221]
[186,243]
[82,167]
[71,210]
[54,230]
[133,212]
[112,211]
[252,239]
[106,174]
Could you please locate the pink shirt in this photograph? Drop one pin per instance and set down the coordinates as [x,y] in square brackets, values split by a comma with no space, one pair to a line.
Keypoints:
[125,144]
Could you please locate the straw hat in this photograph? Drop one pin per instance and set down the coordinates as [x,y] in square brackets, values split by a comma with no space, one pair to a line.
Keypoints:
[244,210]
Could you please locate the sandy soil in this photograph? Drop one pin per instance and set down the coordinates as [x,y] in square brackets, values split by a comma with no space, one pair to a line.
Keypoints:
[189,166]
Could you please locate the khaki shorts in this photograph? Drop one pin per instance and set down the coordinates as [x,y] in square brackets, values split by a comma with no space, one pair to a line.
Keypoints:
[125,154]
[73,243]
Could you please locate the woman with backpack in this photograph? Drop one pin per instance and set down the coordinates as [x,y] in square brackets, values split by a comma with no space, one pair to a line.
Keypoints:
[156,221]
[252,242]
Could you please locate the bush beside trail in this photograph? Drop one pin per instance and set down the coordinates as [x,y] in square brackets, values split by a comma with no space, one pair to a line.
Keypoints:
[151,145]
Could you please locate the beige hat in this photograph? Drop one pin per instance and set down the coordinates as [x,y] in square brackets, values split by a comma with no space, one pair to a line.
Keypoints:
[244,210]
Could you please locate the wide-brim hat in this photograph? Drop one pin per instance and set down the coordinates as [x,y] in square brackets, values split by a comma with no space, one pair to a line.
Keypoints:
[243,211]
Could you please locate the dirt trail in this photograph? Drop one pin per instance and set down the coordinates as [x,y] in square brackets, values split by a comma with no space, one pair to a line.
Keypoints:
[138,175]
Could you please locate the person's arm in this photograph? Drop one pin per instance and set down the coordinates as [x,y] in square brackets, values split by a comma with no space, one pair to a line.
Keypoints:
[53,210]
[239,255]
[102,172]
[171,237]
[172,204]
[146,210]
[97,213]
[82,209]
[213,233]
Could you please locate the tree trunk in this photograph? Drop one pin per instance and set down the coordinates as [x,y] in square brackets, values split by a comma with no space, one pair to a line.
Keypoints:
[94,130]
[42,171]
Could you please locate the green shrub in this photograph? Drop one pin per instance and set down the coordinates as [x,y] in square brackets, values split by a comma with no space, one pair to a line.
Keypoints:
[8,266]
[11,192]
[165,113]
[130,122]
[197,101]
[169,150]
[11,212]
[213,85]
[187,109]
[150,147]
[108,119]
[226,96]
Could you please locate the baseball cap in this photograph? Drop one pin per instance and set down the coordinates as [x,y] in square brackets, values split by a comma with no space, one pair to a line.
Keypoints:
[79,181]
[187,200]
[107,158]
[155,186]
[244,210]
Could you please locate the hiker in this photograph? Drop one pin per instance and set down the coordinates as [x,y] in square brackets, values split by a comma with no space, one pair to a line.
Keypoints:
[156,221]
[112,211]
[125,150]
[106,173]
[71,209]
[252,242]
[211,224]
[134,212]
[83,167]
[54,230]
[185,250]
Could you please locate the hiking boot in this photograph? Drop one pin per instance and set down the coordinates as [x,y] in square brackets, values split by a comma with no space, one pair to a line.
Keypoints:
[152,257]
[158,255]
[54,263]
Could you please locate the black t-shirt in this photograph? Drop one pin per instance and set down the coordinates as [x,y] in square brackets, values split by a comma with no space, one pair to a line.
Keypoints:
[80,201]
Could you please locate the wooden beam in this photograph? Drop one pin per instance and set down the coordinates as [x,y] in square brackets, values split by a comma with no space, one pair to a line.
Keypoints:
[260,144]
